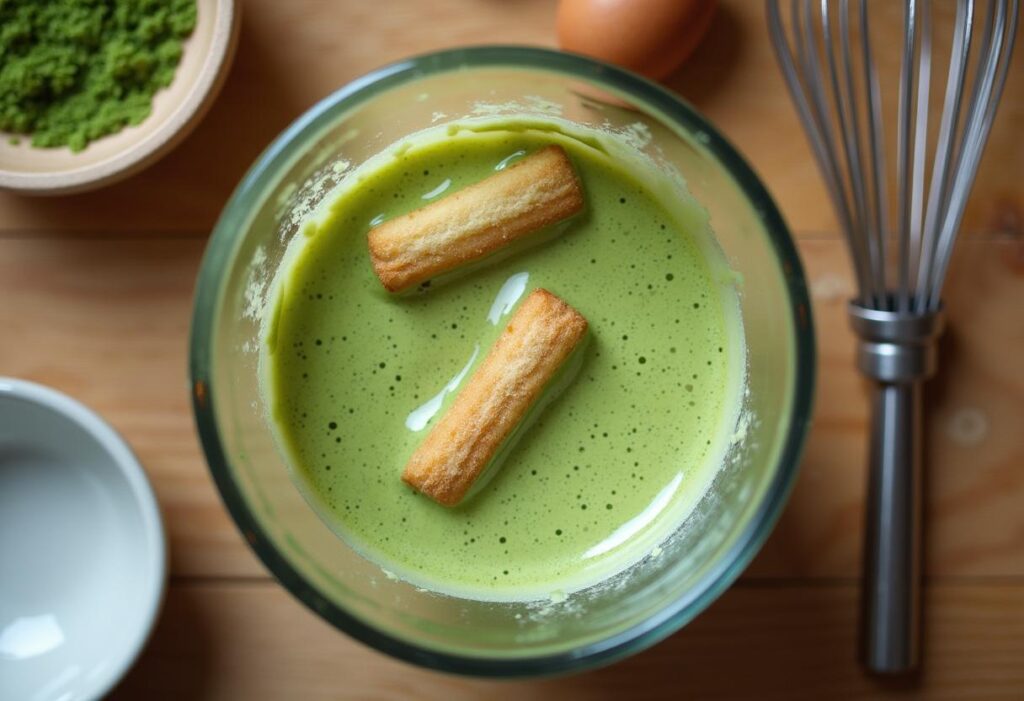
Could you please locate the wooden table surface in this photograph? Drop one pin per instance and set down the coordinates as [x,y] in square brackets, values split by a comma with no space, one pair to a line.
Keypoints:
[95,295]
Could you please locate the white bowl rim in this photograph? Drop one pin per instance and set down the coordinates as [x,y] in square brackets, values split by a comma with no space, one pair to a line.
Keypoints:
[123,457]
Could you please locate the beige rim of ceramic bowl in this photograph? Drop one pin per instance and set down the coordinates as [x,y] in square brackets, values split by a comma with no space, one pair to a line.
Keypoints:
[176,110]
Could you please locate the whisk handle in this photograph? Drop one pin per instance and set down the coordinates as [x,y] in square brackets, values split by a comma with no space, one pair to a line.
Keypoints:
[891,607]
[898,351]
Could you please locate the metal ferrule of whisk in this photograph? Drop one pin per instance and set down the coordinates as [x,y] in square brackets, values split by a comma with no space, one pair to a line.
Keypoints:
[900,256]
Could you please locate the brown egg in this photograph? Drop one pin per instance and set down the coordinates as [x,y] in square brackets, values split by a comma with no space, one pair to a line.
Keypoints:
[652,37]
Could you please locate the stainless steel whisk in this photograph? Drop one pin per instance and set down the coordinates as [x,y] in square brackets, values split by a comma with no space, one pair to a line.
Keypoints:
[826,57]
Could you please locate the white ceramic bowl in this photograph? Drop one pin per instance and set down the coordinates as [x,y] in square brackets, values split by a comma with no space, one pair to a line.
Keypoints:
[82,551]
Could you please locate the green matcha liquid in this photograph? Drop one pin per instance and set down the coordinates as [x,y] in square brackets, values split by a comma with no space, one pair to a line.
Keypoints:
[356,378]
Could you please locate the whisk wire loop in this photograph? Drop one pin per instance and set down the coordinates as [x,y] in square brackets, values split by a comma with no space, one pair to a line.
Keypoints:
[873,99]
[993,65]
[899,265]
[938,192]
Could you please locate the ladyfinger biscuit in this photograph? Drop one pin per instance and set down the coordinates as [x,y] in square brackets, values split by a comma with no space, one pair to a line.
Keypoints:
[539,338]
[537,191]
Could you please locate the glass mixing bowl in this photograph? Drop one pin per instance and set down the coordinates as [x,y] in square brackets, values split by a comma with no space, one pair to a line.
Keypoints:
[595,626]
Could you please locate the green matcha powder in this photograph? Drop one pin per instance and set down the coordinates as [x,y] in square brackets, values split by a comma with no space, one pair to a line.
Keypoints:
[72,71]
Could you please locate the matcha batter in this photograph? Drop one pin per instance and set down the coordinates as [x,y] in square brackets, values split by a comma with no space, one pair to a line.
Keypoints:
[356,376]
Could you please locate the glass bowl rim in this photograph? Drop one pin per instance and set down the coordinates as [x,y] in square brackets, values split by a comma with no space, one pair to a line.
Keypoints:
[209,288]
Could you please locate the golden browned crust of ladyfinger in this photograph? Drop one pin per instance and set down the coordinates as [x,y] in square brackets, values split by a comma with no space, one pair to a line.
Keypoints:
[537,191]
[539,338]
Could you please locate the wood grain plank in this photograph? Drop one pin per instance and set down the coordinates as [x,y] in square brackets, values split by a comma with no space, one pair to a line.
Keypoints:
[107,320]
[291,54]
[254,641]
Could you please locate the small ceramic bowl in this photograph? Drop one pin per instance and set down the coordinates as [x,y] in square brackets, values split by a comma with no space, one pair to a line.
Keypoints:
[176,110]
[82,550]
